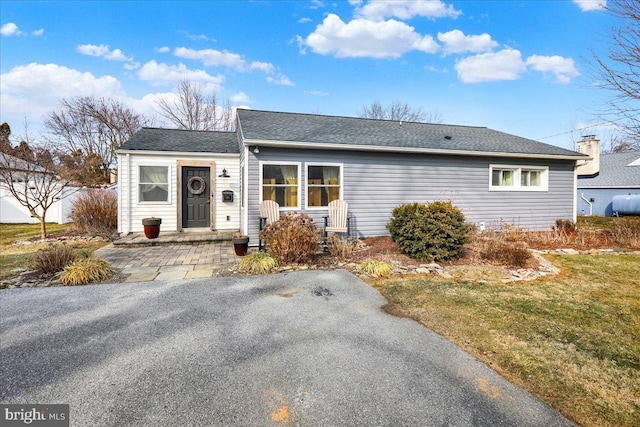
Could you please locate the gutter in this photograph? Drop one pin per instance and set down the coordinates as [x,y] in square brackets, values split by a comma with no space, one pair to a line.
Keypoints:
[178,153]
[377,148]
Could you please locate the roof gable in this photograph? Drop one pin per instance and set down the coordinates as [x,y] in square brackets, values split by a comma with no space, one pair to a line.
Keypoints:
[179,140]
[309,130]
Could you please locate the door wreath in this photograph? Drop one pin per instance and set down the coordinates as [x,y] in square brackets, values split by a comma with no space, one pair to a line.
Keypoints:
[200,189]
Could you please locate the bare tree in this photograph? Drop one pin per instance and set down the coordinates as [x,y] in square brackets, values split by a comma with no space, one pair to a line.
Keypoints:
[34,176]
[94,128]
[620,71]
[193,109]
[398,111]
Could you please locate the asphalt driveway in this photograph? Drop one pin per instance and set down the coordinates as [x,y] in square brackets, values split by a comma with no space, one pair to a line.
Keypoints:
[308,349]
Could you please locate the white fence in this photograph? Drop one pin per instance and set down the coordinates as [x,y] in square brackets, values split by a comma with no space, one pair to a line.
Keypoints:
[11,211]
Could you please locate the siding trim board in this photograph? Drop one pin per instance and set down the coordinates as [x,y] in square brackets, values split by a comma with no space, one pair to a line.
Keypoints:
[346,147]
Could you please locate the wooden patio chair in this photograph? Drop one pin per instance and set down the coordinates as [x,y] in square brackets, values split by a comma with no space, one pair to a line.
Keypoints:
[269,212]
[338,220]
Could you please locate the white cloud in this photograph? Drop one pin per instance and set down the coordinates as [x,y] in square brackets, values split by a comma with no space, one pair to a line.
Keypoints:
[456,41]
[406,9]
[365,38]
[103,51]
[38,33]
[506,64]
[10,29]
[564,69]
[214,58]
[240,97]
[163,74]
[304,20]
[163,49]
[590,5]
[281,79]
[316,92]
[34,89]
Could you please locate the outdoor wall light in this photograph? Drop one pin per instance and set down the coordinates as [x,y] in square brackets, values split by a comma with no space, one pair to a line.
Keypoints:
[256,150]
[224,174]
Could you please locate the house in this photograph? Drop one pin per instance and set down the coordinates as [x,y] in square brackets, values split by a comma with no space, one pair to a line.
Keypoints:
[303,161]
[607,176]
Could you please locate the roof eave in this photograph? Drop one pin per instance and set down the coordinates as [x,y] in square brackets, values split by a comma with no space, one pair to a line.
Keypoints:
[177,153]
[377,148]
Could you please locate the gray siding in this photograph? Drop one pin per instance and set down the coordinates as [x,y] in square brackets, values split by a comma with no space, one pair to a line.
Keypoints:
[375,183]
[603,198]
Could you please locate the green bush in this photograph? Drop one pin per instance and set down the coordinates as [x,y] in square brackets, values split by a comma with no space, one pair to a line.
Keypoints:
[95,212]
[84,271]
[52,259]
[258,263]
[292,239]
[433,232]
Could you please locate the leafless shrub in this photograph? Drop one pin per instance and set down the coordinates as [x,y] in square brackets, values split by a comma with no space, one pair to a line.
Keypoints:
[52,259]
[341,247]
[292,239]
[95,212]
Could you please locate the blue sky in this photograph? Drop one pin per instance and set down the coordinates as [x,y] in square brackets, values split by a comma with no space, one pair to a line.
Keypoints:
[515,66]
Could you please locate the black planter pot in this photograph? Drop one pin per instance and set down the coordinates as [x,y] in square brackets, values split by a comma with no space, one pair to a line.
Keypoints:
[151,227]
[240,245]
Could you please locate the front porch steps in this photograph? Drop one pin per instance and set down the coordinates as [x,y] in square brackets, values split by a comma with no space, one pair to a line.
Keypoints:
[175,238]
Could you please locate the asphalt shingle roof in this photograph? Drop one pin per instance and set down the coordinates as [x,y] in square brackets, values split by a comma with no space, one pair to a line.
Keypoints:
[156,139]
[615,171]
[313,129]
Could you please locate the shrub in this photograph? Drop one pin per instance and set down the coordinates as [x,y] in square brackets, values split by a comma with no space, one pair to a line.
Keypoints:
[509,254]
[340,247]
[258,263]
[433,232]
[96,212]
[84,271]
[292,239]
[626,232]
[376,268]
[52,259]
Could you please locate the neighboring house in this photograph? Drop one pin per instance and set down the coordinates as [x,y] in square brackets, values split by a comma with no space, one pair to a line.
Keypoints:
[610,175]
[303,161]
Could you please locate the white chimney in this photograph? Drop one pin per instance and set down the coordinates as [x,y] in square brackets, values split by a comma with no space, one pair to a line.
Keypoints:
[590,146]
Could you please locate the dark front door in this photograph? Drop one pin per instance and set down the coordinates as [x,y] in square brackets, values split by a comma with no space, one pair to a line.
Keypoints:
[196,197]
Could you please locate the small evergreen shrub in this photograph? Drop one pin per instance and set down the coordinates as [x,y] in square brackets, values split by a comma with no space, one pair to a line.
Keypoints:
[52,259]
[84,271]
[258,263]
[95,212]
[341,247]
[376,268]
[292,239]
[433,232]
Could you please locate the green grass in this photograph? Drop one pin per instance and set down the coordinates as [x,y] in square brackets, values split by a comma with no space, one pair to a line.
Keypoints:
[573,340]
[9,233]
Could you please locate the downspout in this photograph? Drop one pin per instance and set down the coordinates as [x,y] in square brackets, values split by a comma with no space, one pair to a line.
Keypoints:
[588,202]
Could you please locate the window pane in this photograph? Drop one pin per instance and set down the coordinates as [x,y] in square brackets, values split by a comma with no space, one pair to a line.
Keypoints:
[534,180]
[524,178]
[154,192]
[495,177]
[286,197]
[280,174]
[507,178]
[154,174]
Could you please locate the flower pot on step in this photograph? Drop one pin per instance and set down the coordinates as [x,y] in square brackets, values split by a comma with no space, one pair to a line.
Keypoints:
[151,227]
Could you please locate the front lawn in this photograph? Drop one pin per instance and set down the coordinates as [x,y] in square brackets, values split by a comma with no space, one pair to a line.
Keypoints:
[573,339]
[17,256]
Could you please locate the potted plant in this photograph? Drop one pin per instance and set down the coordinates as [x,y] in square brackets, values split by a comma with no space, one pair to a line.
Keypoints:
[240,244]
[151,227]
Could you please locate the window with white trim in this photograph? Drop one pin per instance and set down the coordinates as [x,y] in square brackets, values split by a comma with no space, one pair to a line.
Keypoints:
[153,184]
[518,178]
[280,183]
[324,184]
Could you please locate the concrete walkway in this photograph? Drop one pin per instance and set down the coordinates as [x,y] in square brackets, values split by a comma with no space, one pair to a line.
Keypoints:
[170,261]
